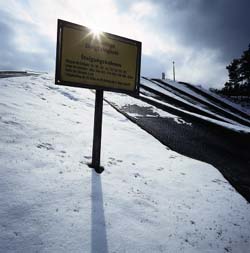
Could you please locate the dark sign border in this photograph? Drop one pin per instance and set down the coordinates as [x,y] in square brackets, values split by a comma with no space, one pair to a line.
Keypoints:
[58,80]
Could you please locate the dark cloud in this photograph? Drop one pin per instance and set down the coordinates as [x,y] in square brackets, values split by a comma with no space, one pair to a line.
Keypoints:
[223,25]
[12,57]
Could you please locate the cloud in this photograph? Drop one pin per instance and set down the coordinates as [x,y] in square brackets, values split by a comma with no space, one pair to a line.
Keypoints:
[201,36]
[222,25]
[20,49]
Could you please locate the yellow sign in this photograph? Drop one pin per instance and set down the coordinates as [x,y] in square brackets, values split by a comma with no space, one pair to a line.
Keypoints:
[89,60]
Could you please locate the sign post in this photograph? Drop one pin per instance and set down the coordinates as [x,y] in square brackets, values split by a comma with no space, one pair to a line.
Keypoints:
[97,138]
[104,62]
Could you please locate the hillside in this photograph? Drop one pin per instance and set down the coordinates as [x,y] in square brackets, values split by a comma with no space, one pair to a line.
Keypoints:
[148,199]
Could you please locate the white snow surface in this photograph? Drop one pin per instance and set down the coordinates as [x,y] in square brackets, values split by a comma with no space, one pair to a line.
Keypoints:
[148,199]
[224,99]
[182,87]
[236,127]
[154,86]
[121,100]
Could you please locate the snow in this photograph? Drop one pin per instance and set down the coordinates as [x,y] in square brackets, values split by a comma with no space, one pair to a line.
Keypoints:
[148,199]
[234,127]
[199,106]
[225,100]
[122,101]
[194,94]
[223,121]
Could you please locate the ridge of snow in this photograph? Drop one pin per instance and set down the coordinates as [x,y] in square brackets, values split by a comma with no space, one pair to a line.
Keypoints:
[225,100]
[168,93]
[192,93]
[237,128]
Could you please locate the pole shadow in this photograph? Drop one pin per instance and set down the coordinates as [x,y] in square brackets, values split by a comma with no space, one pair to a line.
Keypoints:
[99,242]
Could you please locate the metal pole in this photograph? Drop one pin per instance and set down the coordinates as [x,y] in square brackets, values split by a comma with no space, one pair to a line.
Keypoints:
[96,150]
[173,72]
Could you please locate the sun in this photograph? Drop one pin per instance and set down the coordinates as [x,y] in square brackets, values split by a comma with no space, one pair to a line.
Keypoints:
[96,33]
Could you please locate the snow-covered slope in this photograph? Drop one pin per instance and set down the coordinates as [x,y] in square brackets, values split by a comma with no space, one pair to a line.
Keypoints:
[196,100]
[202,109]
[223,99]
[148,199]
[199,92]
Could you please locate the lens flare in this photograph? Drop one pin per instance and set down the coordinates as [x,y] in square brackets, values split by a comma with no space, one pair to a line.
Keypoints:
[96,33]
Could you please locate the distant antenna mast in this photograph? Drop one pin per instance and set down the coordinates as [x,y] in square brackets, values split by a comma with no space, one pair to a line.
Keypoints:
[173,72]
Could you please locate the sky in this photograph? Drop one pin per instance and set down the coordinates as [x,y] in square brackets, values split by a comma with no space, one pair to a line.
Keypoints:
[200,36]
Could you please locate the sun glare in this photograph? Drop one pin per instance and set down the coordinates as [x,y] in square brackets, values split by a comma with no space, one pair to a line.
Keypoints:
[96,33]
